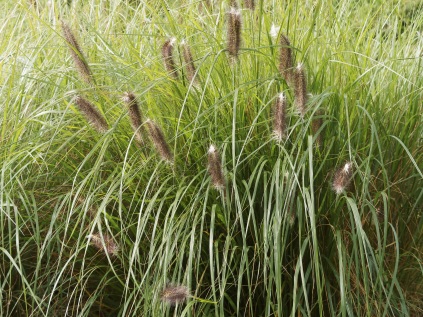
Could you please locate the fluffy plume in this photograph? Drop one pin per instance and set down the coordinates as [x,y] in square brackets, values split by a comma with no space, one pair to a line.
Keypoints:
[159,141]
[234,33]
[77,54]
[215,168]
[249,4]
[134,115]
[167,53]
[286,61]
[274,31]
[279,118]
[92,114]
[342,178]
[174,294]
[189,63]
[300,89]
[110,245]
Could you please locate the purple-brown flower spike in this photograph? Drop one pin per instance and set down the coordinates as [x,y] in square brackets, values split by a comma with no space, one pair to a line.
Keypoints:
[234,33]
[249,4]
[342,178]
[316,125]
[159,141]
[175,294]
[279,118]
[134,115]
[111,247]
[167,53]
[215,168]
[300,89]
[91,113]
[189,63]
[286,60]
[77,54]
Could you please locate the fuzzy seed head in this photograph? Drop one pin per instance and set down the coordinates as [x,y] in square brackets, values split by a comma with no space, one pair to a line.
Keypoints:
[234,4]
[249,4]
[286,60]
[316,125]
[300,89]
[167,54]
[93,116]
[159,141]
[234,33]
[215,168]
[174,294]
[279,118]
[189,63]
[342,178]
[77,54]
[110,246]
[134,115]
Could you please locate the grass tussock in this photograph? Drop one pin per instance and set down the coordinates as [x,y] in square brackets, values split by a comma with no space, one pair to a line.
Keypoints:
[310,205]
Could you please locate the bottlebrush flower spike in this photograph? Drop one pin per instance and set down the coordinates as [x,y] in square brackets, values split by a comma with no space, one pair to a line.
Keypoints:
[279,118]
[77,54]
[159,141]
[215,168]
[111,247]
[286,60]
[316,125]
[92,114]
[167,53]
[134,115]
[300,89]
[342,178]
[250,4]
[234,33]
[174,294]
[189,63]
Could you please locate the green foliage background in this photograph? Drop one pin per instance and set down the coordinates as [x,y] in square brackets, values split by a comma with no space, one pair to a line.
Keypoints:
[280,242]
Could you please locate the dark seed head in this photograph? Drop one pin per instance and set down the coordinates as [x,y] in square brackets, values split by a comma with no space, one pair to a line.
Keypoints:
[279,118]
[167,53]
[234,33]
[174,294]
[342,178]
[286,60]
[77,54]
[92,114]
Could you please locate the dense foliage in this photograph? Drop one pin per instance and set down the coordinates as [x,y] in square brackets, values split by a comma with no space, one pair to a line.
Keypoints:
[99,220]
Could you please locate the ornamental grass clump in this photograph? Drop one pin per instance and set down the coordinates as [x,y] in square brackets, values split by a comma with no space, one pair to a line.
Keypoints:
[134,115]
[174,294]
[168,59]
[279,118]
[286,60]
[159,141]
[342,178]
[189,63]
[300,89]
[215,168]
[91,113]
[234,33]
[110,246]
[77,54]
